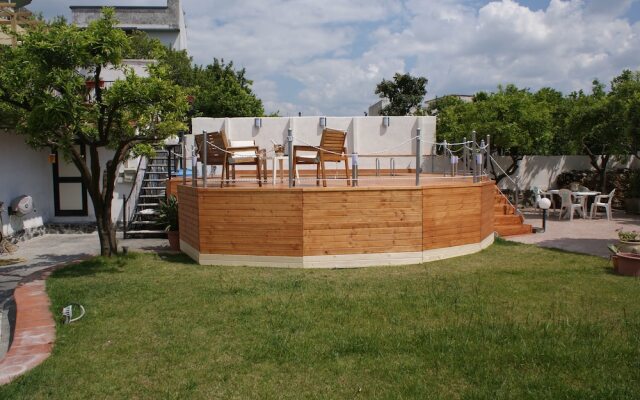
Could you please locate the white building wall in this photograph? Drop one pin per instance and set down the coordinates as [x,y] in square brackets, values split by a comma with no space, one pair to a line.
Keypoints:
[24,171]
[366,136]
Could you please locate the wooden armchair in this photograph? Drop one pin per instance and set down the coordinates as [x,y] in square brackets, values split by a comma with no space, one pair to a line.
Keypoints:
[220,152]
[331,149]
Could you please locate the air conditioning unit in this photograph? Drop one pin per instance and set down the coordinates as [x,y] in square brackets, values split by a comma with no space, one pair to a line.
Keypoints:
[21,206]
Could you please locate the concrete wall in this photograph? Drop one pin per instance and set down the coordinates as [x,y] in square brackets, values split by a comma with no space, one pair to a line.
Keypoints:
[164,23]
[365,135]
[534,171]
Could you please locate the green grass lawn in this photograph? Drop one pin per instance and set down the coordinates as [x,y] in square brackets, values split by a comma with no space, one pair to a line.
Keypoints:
[513,321]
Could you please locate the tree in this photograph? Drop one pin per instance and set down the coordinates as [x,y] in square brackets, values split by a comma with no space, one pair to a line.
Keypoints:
[219,90]
[52,83]
[518,122]
[224,92]
[603,125]
[405,94]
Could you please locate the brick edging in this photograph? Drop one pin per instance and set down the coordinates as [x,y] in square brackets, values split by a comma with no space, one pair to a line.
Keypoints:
[35,328]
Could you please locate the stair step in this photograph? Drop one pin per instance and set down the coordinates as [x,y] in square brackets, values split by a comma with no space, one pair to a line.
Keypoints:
[512,230]
[148,232]
[144,222]
[510,219]
[148,205]
[503,209]
[156,196]
[149,213]
[153,180]
[153,188]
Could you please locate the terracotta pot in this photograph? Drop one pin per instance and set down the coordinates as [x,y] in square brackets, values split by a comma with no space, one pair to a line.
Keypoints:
[174,240]
[614,261]
[629,264]
[628,247]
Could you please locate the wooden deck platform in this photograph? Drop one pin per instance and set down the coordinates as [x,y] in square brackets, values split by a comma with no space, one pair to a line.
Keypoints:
[379,222]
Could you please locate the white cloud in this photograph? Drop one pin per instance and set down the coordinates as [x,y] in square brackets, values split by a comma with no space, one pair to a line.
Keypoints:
[327,57]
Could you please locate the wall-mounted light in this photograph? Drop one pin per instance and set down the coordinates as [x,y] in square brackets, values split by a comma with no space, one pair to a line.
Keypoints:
[323,122]
[386,121]
[258,122]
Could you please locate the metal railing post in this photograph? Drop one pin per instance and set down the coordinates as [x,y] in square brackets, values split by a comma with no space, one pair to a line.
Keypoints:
[482,158]
[434,152]
[194,166]
[392,167]
[517,180]
[124,216]
[473,156]
[168,148]
[418,155]
[290,150]
[183,162]
[354,169]
[444,169]
[377,167]
[465,155]
[205,142]
[488,155]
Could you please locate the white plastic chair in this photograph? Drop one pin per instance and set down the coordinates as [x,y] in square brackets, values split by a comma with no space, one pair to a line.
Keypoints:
[603,200]
[571,204]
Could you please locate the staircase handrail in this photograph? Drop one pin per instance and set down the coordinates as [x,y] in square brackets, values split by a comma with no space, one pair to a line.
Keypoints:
[515,184]
[135,188]
[495,162]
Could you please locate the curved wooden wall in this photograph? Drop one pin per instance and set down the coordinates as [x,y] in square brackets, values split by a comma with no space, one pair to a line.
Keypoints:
[305,222]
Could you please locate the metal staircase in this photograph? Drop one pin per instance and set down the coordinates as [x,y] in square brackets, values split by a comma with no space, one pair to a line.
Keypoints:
[144,221]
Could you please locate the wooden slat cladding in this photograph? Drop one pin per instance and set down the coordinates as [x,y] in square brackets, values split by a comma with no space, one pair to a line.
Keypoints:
[245,222]
[455,216]
[362,221]
[487,217]
[189,216]
[314,221]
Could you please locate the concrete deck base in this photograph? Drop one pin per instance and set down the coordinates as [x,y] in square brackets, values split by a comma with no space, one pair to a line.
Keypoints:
[336,261]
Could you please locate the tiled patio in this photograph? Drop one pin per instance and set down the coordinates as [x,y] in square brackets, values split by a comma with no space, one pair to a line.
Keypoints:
[590,236]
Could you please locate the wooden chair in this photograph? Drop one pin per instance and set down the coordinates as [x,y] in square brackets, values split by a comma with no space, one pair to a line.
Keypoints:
[220,152]
[331,149]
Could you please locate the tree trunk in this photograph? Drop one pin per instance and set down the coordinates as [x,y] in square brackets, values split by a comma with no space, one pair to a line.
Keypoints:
[106,232]
[603,173]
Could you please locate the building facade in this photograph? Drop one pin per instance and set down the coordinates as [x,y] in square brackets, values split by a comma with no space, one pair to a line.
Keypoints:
[165,23]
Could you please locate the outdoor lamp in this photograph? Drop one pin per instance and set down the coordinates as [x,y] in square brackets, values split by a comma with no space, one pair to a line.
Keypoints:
[258,122]
[544,205]
[323,122]
[386,121]
[479,159]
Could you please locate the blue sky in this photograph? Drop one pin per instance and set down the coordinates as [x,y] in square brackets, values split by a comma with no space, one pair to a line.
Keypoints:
[325,58]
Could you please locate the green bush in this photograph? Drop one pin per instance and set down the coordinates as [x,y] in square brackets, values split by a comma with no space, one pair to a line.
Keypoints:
[633,190]
[169,214]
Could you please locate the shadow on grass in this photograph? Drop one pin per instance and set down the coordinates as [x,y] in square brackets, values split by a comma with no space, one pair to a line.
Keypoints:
[177,258]
[593,247]
[94,266]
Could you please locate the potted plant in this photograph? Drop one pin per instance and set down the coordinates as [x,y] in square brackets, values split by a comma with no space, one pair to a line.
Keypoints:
[168,216]
[632,194]
[629,241]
